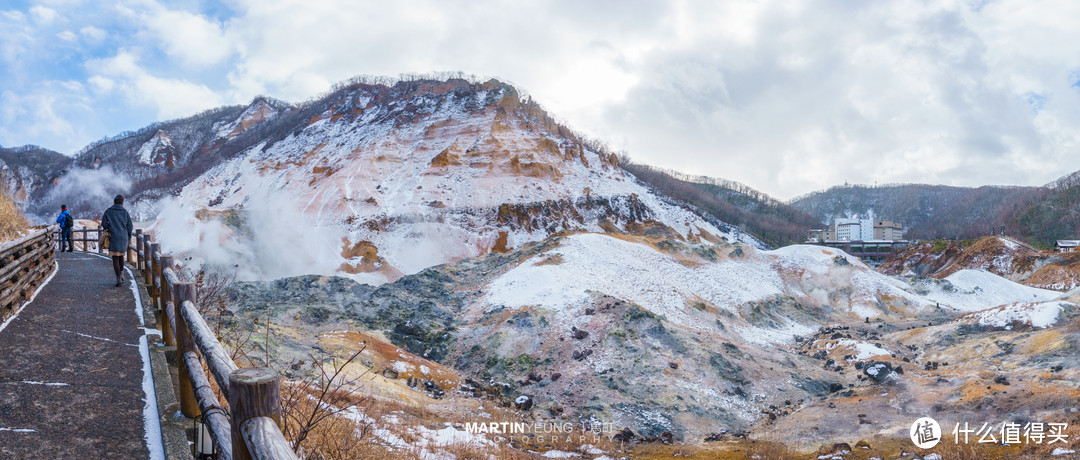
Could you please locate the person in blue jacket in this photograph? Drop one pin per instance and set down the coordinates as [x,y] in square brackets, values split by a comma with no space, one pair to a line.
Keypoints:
[118,222]
[66,222]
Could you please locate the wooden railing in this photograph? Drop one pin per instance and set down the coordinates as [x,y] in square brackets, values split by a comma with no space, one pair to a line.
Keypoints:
[24,265]
[250,430]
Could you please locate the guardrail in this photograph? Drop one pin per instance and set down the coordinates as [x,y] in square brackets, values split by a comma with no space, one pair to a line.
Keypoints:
[250,429]
[24,265]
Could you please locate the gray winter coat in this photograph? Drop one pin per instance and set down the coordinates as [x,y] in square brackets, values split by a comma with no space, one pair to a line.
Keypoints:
[118,222]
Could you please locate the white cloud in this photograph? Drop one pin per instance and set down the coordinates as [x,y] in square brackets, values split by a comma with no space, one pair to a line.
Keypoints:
[93,34]
[43,14]
[38,115]
[787,96]
[169,97]
[191,38]
[67,36]
[15,35]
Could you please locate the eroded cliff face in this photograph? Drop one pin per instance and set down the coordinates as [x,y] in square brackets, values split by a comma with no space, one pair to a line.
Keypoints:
[1002,256]
[428,172]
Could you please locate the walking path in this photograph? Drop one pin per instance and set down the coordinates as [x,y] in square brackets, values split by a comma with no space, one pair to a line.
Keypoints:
[74,369]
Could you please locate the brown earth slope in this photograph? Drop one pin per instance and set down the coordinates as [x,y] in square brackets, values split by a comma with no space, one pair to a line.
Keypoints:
[1003,256]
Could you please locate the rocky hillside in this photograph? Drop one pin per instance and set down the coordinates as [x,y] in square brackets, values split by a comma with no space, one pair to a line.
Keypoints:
[370,181]
[387,181]
[776,223]
[25,170]
[1040,215]
[694,339]
[1003,256]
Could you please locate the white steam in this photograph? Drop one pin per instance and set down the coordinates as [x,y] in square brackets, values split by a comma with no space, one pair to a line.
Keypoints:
[269,239]
[86,192]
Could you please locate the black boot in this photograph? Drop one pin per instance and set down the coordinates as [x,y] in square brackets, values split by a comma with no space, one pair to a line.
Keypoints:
[119,280]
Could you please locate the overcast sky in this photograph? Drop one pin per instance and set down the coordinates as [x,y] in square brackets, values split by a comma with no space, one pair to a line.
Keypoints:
[785,96]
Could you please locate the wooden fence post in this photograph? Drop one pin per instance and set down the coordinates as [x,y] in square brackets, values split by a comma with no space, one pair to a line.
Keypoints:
[155,278]
[185,292]
[139,249]
[166,297]
[147,242]
[253,392]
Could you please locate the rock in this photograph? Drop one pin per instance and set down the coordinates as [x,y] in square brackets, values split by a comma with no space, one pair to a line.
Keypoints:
[524,402]
[534,377]
[862,444]
[880,371]
[434,389]
[555,377]
[578,333]
[1001,380]
[555,410]
[413,382]
[624,435]
[834,387]
[390,373]
[841,447]
[715,437]
[1057,368]
[673,365]
[666,437]
[589,311]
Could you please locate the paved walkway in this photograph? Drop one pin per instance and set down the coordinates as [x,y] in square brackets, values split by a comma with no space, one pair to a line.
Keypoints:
[71,375]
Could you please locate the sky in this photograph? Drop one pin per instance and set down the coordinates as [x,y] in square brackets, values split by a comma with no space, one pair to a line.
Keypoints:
[785,96]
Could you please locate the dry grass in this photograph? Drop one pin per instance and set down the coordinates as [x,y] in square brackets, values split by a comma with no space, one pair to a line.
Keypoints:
[12,222]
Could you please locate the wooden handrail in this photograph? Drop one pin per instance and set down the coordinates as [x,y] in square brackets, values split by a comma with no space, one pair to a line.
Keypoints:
[175,305]
[217,359]
[24,265]
[264,439]
[255,403]
[213,415]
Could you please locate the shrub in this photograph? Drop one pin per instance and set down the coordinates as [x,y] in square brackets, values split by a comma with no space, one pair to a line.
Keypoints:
[12,222]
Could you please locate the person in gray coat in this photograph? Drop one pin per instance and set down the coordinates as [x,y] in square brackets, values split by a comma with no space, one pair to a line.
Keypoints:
[118,222]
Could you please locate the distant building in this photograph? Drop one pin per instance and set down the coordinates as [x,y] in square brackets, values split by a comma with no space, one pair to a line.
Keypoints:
[870,240]
[847,229]
[1067,245]
[888,230]
[855,229]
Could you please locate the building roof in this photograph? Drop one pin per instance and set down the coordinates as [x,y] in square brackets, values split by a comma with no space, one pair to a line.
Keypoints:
[1068,243]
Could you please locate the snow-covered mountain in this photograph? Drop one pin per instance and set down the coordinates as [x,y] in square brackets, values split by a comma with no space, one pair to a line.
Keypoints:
[376,182]
[372,181]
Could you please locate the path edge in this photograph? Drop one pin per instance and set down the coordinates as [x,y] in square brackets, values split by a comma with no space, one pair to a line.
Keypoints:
[174,425]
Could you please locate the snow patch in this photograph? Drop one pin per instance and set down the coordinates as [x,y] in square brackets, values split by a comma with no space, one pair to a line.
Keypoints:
[1040,315]
[979,289]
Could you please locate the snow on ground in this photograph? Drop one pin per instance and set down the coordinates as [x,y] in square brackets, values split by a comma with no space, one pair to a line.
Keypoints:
[817,258]
[633,271]
[978,290]
[564,280]
[1034,314]
[861,349]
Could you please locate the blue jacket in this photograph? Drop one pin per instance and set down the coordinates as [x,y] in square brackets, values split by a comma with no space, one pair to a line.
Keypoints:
[117,221]
[60,218]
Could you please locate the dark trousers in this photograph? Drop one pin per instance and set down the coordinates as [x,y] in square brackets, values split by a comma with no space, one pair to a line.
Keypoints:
[65,235]
[118,265]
